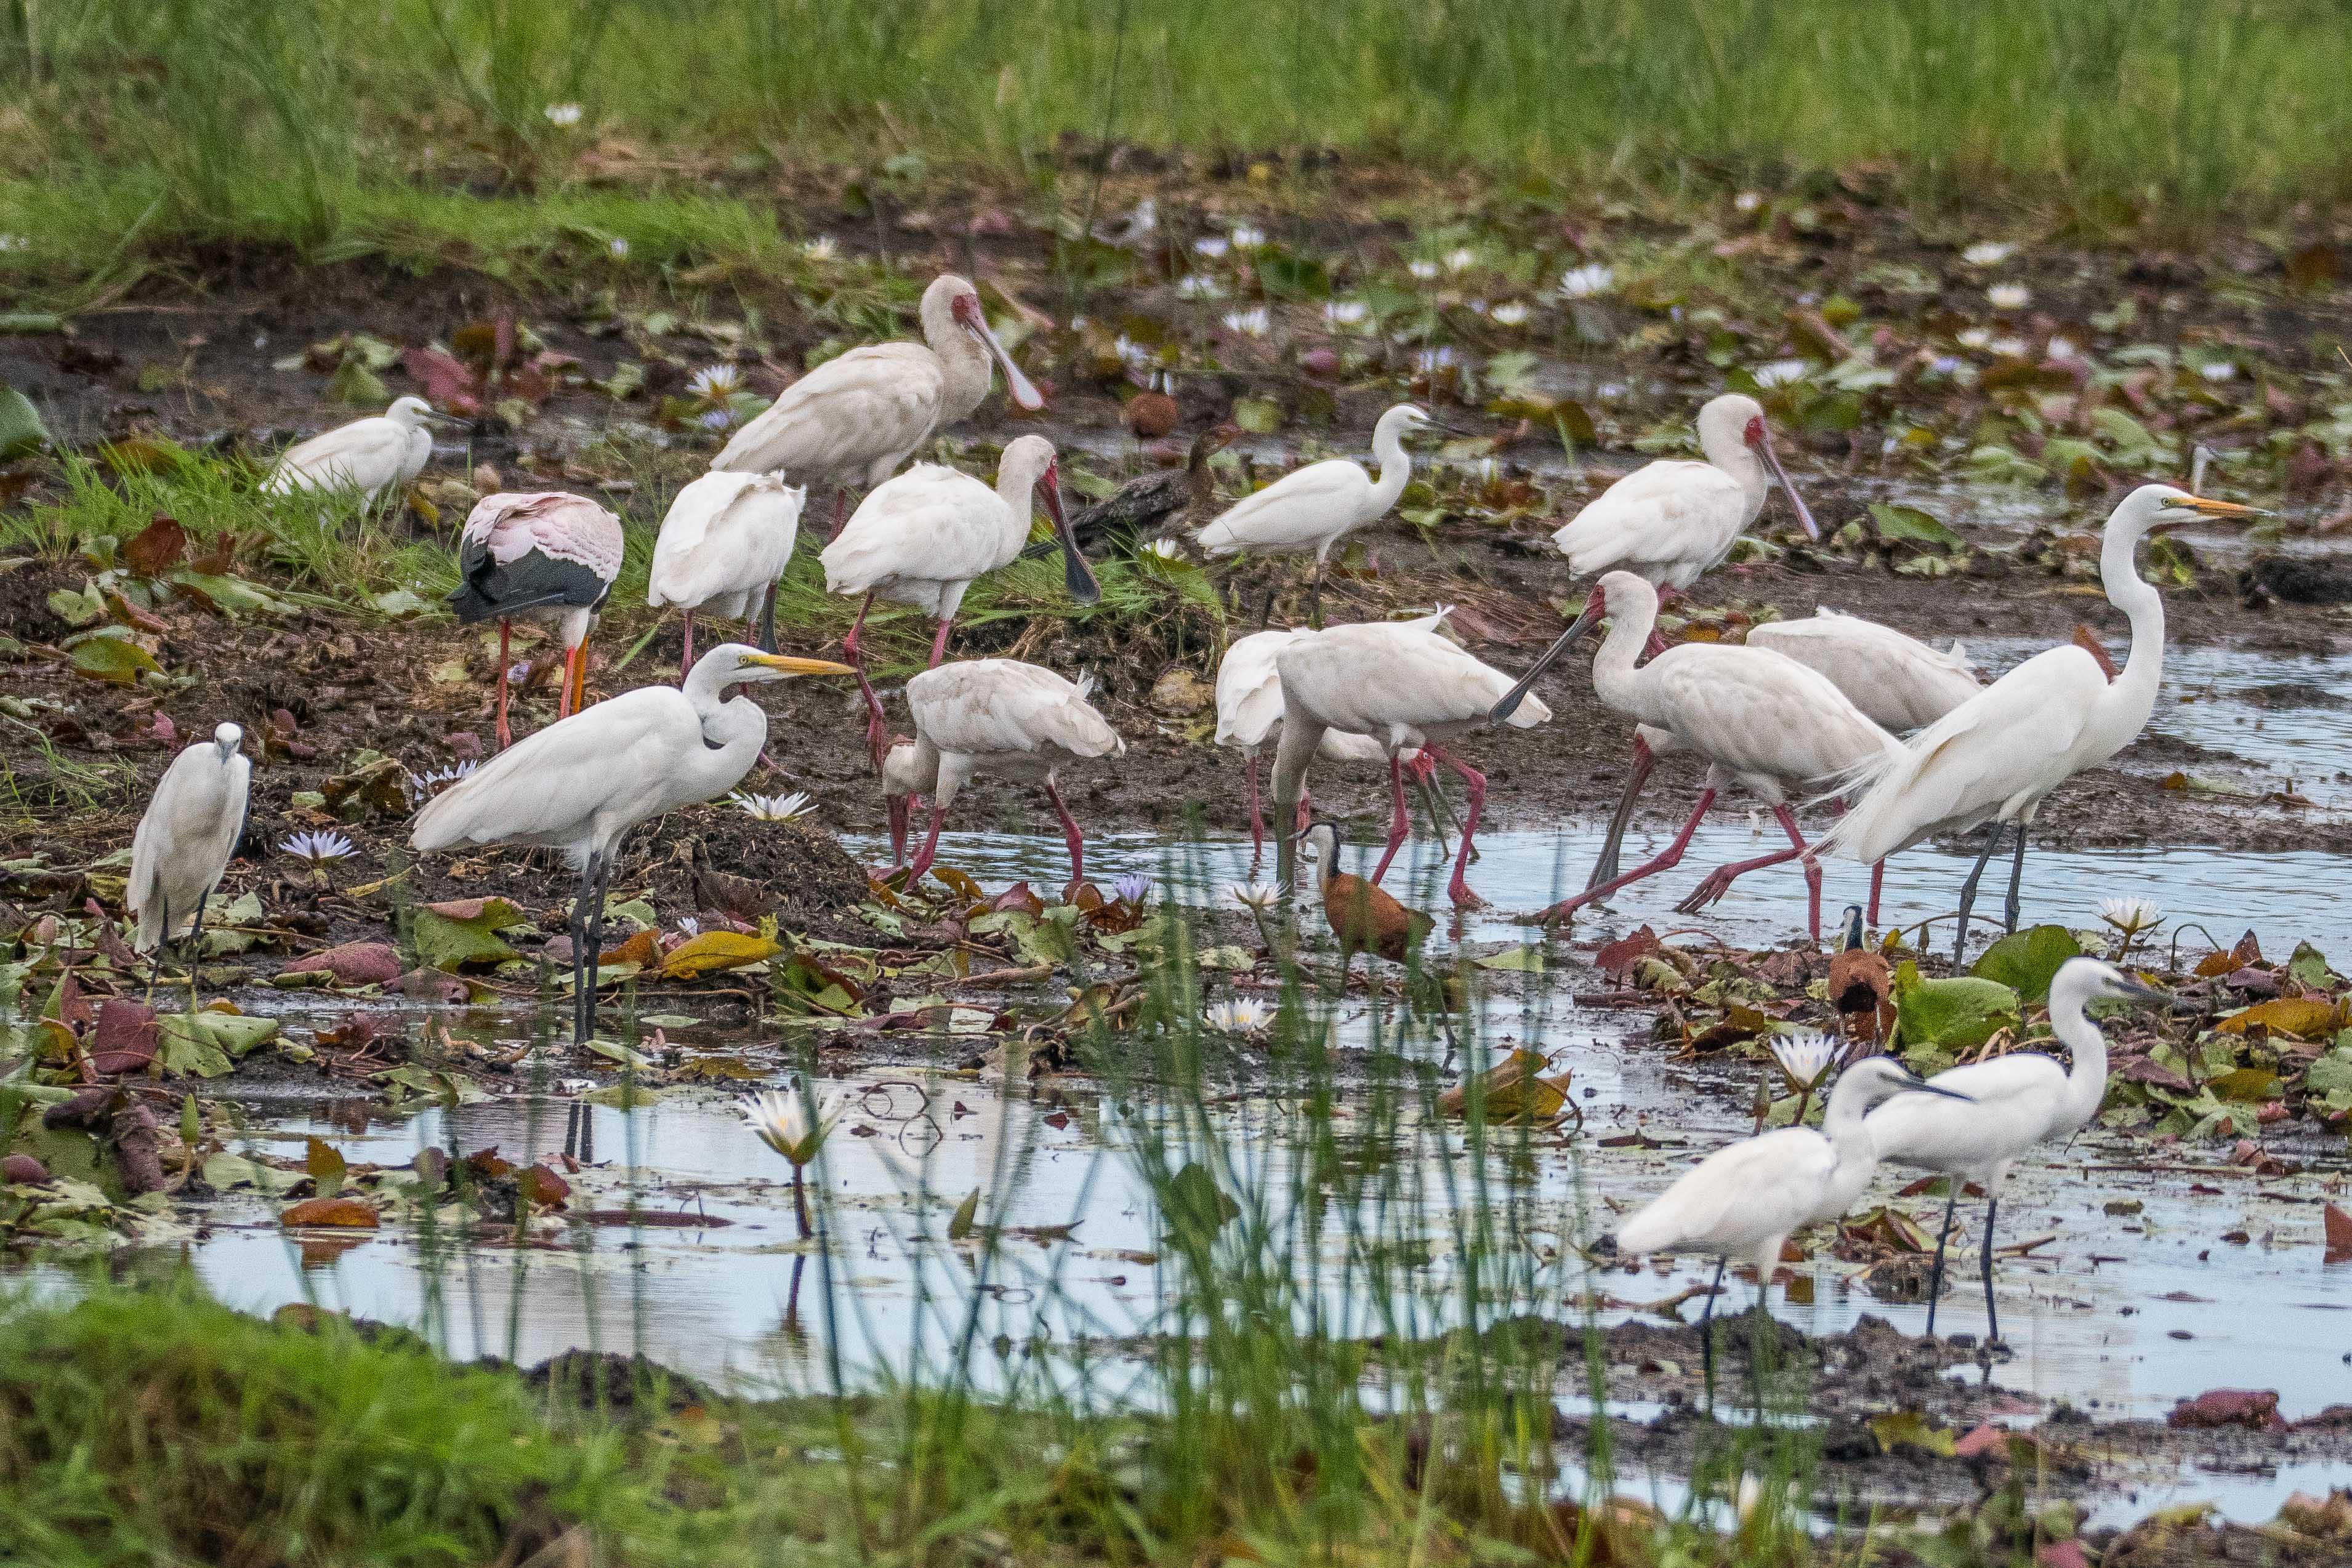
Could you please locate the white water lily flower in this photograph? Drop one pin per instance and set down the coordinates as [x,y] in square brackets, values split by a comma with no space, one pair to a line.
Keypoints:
[319,849]
[1988,252]
[2010,296]
[781,1120]
[1242,1015]
[1345,312]
[1423,270]
[1248,238]
[1748,201]
[1805,1058]
[1254,322]
[1461,258]
[824,248]
[1510,313]
[620,248]
[1258,895]
[715,383]
[2217,370]
[1163,549]
[1213,245]
[1193,285]
[1973,338]
[1584,282]
[563,114]
[2131,915]
[2062,348]
[773,808]
[1780,373]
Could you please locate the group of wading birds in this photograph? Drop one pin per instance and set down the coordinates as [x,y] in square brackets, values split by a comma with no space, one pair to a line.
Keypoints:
[1803,709]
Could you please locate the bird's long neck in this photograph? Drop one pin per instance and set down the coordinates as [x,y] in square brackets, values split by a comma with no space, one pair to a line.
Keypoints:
[1731,452]
[2086,1046]
[1017,485]
[964,367]
[2124,708]
[733,731]
[1396,467]
[1843,1123]
[1615,679]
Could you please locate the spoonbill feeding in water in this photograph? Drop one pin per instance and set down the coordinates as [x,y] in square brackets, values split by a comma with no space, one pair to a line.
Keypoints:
[545,555]
[1763,721]
[186,839]
[926,536]
[1000,717]
[1314,508]
[727,538]
[1405,686]
[1996,1110]
[375,456]
[582,782]
[854,419]
[1996,756]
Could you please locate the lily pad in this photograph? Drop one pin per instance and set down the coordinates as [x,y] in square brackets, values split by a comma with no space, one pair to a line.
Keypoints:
[1956,1013]
[2026,961]
[452,936]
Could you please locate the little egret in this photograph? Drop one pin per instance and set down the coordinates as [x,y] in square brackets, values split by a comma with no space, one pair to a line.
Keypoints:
[1997,756]
[2001,1108]
[727,538]
[1743,1200]
[1314,508]
[375,456]
[582,782]
[1763,721]
[854,419]
[186,839]
[545,555]
[1406,686]
[926,536]
[1000,717]
[1166,498]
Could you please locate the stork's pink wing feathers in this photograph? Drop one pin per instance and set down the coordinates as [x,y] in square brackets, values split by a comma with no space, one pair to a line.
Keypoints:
[555,523]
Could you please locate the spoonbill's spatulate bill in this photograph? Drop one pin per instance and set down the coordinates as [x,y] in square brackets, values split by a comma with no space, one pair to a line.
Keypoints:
[1995,758]
[186,839]
[2005,1107]
[582,782]
[375,456]
[543,555]
[726,539]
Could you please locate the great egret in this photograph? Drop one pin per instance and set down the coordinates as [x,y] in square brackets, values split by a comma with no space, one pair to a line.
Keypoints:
[727,538]
[1314,508]
[1000,717]
[1401,684]
[582,782]
[2001,1108]
[1165,497]
[186,839]
[926,536]
[1763,721]
[1997,756]
[1744,1199]
[1249,709]
[854,419]
[545,555]
[374,455]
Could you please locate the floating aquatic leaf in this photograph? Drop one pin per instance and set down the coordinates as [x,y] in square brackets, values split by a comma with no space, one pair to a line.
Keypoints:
[1909,525]
[1955,1013]
[2249,1084]
[716,950]
[2305,1017]
[967,1214]
[2337,1228]
[225,1171]
[202,1044]
[1522,959]
[1513,1089]
[343,1213]
[2026,961]
[327,1167]
[1910,1429]
[1194,1202]
[104,656]
[464,931]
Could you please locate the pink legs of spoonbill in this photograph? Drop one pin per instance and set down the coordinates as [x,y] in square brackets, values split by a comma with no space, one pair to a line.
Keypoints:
[878,728]
[1475,784]
[686,659]
[1070,834]
[1399,826]
[506,737]
[940,644]
[1720,879]
[840,513]
[1667,859]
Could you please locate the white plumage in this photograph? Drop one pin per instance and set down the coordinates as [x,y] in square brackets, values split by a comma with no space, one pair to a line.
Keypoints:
[582,782]
[724,542]
[1403,684]
[1900,682]
[2010,1104]
[1000,717]
[371,456]
[1249,710]
[186,839]
[1670,522]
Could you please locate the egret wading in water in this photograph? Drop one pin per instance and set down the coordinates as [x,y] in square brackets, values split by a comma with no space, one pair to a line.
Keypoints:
[726,539]
[1763,721]
[999,716]
[186,839]
[1312,509]
[854,419]
[582,782]
[2001,1108]
[1997,756]
[375,456]
[926,536]
[543,555]
[1406,686]
[1743,1200]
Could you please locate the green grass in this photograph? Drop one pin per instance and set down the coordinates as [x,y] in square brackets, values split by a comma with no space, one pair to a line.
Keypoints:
[418,129]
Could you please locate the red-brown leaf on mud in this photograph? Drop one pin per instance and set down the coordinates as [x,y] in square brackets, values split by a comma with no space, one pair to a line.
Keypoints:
[2256,1408]
[23,1170]
[460,909]
[353,963]
[485,1165]
[449,383]
[2338,1228]
[1615,957]
[344,1213]
[543,1187]
[2061,1554]
[1020,896]
[154,549]
[2148,1070]
[125,1038]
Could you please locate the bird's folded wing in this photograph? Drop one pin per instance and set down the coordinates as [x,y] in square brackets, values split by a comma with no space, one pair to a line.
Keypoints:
[1249,689]
[348,453]
[981,706]
[1298,509]
[1667,511]
[848,410]
[1759,1186]
[552,781]
[1757,711]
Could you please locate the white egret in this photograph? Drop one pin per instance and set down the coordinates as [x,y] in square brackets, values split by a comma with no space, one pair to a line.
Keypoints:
[2001,1108]
[924,538]
[186,839]
[544,555]
[1763,721]
[727,538]
[1997,756]
[1000,717]
[1314,508]
[1743,1200]
[375,456]
[582,782]
[854,419]
[1406,686]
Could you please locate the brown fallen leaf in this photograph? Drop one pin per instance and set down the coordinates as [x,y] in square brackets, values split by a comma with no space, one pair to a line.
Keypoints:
[2338,1228]
[342,1213]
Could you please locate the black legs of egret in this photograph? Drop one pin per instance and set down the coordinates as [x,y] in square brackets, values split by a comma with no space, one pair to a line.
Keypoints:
[1759,1320]
[768,621]
[2010,908]
[1935,1275]
[1992,1318]
[1706,1330]
[2016,874]
[587,928]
